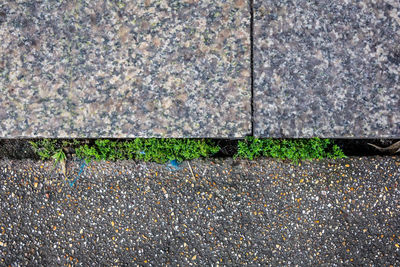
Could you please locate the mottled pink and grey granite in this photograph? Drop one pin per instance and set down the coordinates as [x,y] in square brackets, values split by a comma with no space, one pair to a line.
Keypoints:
[125,68]
[327,68]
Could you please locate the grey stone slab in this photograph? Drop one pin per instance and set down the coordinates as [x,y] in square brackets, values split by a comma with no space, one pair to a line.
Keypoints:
[102,68]
[327,68]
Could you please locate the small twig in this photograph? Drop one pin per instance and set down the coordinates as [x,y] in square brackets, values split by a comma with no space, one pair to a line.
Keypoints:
[393,149]
[64,167]
[190,168]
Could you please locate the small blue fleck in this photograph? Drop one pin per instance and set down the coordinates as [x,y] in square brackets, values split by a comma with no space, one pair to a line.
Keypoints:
[173,165]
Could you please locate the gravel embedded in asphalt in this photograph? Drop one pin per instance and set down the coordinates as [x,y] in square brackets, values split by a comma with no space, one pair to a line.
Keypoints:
[229,212]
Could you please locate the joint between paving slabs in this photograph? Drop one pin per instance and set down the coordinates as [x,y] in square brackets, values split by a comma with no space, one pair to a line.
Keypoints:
[251,8]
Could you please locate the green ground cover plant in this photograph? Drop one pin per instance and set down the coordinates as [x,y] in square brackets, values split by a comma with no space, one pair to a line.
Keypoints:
[162,150]
[51,148]
[45,148]
[292,149]
[151,149]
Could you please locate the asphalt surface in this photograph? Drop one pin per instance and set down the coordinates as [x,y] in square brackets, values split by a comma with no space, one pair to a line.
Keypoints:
[263,212]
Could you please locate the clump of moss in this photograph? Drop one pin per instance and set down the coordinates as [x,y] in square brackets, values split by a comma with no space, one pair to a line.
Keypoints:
[152,149]
[292,149]
[163,149]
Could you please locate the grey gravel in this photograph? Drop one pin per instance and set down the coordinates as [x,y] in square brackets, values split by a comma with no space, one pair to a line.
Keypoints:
[263,212]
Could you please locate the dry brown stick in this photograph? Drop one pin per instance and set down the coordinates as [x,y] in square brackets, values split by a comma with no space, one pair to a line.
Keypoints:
[394,148]
[190,168]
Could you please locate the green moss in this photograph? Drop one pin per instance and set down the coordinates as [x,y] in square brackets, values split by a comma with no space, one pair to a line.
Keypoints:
[292,149]
[152,149]
[164,149]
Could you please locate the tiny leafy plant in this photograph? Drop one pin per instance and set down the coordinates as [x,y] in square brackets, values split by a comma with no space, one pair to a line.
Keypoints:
[292,149]
[59,156]
[54,149]
[45,148]
[51,148]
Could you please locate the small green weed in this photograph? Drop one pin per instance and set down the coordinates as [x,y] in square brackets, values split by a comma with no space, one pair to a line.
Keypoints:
[51,148]
[59,156]
[292,149]
[45,148]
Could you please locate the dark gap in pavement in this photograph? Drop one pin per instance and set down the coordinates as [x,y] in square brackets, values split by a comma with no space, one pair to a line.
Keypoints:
[21,148]
[251,3]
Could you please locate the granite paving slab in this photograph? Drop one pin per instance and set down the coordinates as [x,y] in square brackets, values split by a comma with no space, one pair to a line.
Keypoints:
[327,68]
[146,68]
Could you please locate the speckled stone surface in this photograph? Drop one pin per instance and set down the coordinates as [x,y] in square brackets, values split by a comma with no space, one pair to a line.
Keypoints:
[101,68]
[327,68]
[264,212]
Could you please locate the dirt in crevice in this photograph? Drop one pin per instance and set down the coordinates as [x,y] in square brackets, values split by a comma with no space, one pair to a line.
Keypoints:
[21,148]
